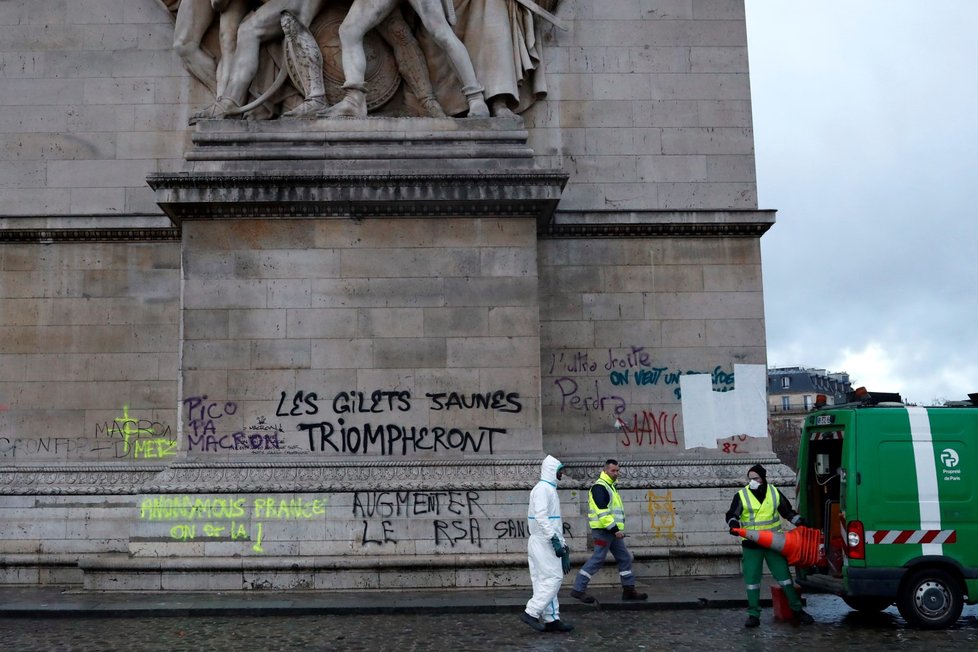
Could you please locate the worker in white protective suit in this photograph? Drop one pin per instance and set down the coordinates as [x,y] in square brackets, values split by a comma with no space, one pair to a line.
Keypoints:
[547,551]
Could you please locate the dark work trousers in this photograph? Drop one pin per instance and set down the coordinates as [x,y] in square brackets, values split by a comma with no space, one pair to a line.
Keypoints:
[604,542]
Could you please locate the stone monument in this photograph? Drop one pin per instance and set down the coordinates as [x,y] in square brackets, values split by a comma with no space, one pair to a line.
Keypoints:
[323,336]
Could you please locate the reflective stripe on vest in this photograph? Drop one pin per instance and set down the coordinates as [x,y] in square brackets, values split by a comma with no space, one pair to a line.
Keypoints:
[760,515]
[613,514]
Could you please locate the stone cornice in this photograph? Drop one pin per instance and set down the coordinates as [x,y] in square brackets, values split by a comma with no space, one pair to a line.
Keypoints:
[129,479]
[204,196]
[662,223]
[45,236]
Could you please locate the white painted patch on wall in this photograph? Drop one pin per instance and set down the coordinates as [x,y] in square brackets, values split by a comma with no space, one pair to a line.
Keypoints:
[709,415]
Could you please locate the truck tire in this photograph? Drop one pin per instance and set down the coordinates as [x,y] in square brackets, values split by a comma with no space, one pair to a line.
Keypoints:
[930,598]
[867,604]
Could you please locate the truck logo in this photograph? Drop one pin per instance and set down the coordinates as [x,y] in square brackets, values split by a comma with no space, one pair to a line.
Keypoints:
[949,457]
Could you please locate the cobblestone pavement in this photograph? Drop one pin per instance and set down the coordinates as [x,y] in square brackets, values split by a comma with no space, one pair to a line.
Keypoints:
[707,629]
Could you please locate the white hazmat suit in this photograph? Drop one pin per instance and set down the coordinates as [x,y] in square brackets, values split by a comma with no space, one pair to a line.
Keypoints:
[544,519]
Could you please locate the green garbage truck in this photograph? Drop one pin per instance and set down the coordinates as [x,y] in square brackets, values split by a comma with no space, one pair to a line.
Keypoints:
[894,490]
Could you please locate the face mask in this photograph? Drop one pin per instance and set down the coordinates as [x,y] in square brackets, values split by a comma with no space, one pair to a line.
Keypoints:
[560,473]
[754,485]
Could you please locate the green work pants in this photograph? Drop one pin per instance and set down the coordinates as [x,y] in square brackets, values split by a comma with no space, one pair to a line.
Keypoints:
[754,559]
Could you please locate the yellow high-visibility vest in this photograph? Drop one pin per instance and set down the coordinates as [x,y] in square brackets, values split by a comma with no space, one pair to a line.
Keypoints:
[613,514]
[758,515]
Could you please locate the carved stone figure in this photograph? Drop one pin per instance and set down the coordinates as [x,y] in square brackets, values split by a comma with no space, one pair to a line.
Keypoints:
[502,38]
[381,80]
[263,24]
[304,61]
[364,15]
[193,18]
[494,42]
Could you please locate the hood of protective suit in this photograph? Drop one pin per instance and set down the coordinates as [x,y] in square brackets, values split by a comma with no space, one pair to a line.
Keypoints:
[548,470]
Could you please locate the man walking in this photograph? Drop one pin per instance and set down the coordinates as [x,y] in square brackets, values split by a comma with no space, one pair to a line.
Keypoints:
[760,506]
[547,551]
[606,518]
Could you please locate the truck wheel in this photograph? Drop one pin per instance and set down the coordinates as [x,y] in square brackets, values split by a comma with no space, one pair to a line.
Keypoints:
[869,604]
[930,598]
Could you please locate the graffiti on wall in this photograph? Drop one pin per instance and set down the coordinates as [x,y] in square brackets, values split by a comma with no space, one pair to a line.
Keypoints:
[377,430]
[351,423]
[451,518]
[624,383]
[227,518]
[662,514]
[135,437]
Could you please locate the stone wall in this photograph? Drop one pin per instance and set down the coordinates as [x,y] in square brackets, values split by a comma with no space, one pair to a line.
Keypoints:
[164,385]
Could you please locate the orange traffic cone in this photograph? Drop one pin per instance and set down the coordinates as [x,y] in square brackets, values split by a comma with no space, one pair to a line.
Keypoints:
[801,546]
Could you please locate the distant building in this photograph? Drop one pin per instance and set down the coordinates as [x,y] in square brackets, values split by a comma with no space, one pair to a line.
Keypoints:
[791,394]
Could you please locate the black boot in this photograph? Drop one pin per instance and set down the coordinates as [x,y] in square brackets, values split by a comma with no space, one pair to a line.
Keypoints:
[803,618]
[629,593]
[752,621]
[583,596]
[533,622]
[558,626]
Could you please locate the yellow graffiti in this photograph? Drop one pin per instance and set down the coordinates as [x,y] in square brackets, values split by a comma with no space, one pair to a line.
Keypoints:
[230,519]
[155,447]
[257,545]
[662,513]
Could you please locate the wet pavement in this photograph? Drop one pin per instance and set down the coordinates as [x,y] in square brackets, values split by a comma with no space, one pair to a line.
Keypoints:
[448,620]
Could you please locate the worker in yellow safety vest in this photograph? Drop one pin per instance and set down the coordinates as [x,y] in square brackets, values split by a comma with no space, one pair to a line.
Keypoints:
[761,506]
[606,518]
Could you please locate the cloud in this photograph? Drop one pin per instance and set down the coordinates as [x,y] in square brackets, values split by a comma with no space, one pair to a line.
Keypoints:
[865,142]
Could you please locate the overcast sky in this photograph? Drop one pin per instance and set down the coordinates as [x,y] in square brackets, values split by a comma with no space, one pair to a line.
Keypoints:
[866,131]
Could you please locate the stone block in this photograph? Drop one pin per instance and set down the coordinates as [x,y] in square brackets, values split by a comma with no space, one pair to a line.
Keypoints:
[456,322]
[337,353]
[624,334]
[707,140]
[217,354]
[152,145]
[400,263]
[288,263]
[492,351]
[289,293]
[98,174]
[378,292]
[731,169]
[561,334]
[667,9]
[490,291]
[734,332]
[683,332]
[646,59]
[691,196]
[514,321]
[718,9]
[256,324]
[605,169]
[724,113]
[35,201]
[718,60]
[672,168]
[88,201]
[405,353]
[281,354]
[613,305]
[205,324]
[390,322]
[224,293]
[732,278]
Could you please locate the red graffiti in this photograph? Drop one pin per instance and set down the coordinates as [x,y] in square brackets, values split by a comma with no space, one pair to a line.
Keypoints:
[651,429]
[731,445]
